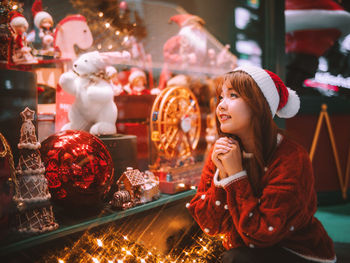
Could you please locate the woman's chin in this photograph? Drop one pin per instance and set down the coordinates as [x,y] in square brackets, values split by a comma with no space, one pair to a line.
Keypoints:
[225,129]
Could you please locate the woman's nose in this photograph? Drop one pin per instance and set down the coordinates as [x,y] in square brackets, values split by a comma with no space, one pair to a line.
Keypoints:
[222,105]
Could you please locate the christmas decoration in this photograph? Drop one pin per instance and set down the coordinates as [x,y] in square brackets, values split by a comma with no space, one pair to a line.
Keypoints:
[111,245]
[135,188]
[112,75]
[175,131]
[93,109]
[7,177]
[44,31]
[137,83]
[113,25]
[79,168]
[32,195]
[18,50]
[5,34]
[189,46]
[72,32]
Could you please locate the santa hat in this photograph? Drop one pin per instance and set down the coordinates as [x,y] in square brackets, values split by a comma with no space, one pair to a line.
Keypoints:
[135,73]
[17,19]
[283,101]
[317,14]
[185,19]
[39,14]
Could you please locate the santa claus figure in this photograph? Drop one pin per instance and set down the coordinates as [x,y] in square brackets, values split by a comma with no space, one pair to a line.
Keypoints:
[137,83]
[190,44]
[18,50]
[44,24]
[312,27]
[112,76]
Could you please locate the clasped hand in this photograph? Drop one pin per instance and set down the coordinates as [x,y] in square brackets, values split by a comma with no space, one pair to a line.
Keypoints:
[227,156]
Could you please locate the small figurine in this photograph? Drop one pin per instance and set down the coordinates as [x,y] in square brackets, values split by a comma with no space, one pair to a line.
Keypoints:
[137,83]
[94,109]
[112,75]
[135,188]
[44,24]
[18,50]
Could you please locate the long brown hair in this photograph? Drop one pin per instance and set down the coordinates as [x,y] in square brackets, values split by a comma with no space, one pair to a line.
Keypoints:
[264,128]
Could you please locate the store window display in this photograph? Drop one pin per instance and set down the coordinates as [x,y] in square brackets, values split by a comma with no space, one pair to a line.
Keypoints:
[257,186]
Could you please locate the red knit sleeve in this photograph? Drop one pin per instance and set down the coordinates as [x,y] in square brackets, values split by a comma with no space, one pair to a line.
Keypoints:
[208,207]
[286,204]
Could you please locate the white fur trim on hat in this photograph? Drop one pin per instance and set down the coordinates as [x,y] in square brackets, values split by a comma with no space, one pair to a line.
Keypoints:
[292,107]
[40,16]
[266,85]
[135,74]
[19,21]
[317,19]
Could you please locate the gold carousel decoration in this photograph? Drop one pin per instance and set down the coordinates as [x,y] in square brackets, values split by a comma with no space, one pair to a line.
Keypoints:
[175,125]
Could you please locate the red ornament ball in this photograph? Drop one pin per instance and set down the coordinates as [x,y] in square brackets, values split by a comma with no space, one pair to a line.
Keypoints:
[78,167]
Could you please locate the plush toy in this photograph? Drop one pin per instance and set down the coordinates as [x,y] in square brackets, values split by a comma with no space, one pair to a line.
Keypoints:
[94,109]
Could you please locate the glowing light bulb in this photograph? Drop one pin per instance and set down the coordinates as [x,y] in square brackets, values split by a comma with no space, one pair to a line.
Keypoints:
[99,242]
[100,14]
[193,187]
[14,7]
[95,260]
[120,261]
[99,46]
[60,261]
[149,253]
[181,185]
[107,25]
[205,248]
[128,252]
[125,237]
[110,47]
[142,260]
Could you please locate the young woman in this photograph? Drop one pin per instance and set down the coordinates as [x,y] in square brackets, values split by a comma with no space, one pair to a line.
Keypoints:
[257,186]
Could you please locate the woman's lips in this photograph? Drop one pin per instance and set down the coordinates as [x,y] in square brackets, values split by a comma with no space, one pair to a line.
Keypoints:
[224,117]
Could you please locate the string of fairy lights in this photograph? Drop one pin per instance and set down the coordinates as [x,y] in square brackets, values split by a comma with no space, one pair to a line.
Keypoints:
[112,246]
[112,23]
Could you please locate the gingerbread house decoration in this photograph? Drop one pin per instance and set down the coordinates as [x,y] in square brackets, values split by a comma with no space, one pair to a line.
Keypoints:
[132,180]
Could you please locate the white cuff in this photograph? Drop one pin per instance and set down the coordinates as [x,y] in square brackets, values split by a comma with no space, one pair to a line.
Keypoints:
[226,181]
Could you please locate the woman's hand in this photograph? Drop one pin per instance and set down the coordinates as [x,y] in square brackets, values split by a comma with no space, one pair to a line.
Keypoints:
[232,160]
[222,146]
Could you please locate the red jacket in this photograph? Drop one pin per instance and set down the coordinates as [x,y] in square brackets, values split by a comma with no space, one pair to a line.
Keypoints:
[283,215]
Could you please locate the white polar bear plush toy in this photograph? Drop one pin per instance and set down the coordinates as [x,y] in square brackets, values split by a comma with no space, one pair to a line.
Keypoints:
[94,109]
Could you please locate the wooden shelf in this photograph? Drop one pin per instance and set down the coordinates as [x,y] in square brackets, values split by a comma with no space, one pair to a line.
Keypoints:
[88,224]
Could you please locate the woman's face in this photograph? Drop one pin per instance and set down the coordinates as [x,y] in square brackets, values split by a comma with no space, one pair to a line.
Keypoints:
[233,113]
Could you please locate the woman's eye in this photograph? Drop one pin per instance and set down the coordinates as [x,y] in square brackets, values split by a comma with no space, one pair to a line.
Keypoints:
[233,95]
[220,98]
